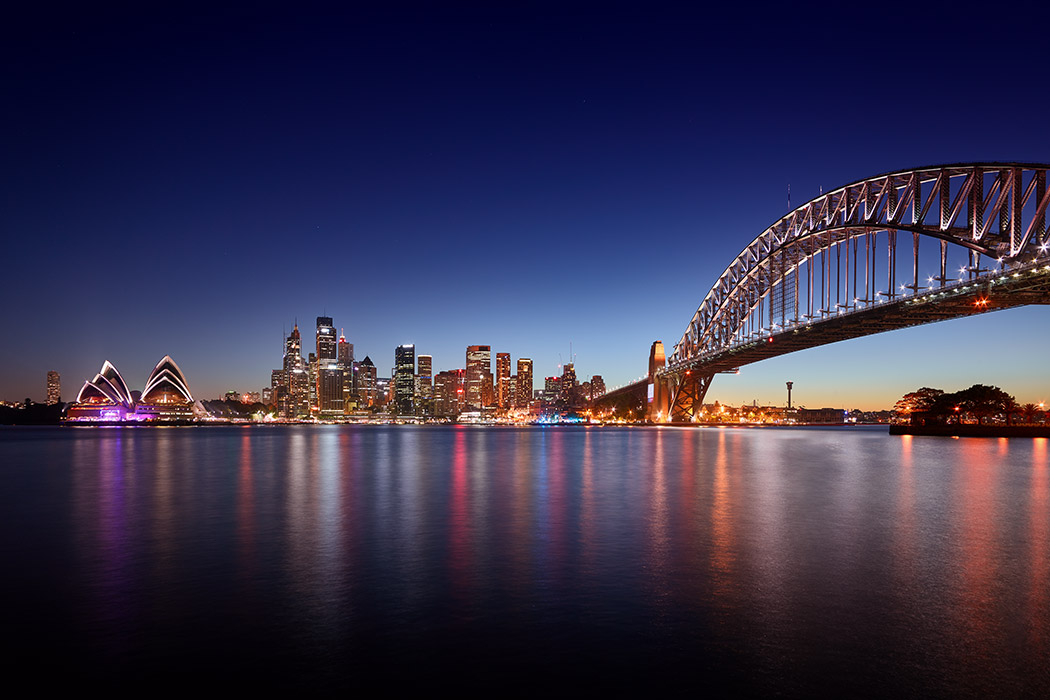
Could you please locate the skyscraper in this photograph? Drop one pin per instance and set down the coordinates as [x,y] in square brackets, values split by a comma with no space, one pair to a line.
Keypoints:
[366,382]
[405,379]
[449,392]
[297,378]
[503,397]
[479,375]
[345,353]
[424,385]
[54,388]
[524,386]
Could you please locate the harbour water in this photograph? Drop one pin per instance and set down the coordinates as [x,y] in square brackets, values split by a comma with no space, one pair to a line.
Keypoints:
[506,560]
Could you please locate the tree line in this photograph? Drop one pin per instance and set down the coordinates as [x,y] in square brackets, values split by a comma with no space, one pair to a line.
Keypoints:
[980,403]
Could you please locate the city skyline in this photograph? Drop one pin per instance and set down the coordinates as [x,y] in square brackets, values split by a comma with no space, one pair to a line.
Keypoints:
[527,179]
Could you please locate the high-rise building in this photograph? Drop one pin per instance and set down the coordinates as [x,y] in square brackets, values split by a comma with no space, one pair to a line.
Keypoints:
[568,383]
[524,388]
[424,385]
[503,396]
[551,389]
[54,388]
[345,353]
[324,370]
[297,379]
[326,340]
[449,392]
[366,383]
[479,375]
[597,386]
[405,379]
[293,350]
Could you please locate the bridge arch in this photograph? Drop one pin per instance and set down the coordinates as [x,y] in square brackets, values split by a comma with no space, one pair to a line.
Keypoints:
[833,269]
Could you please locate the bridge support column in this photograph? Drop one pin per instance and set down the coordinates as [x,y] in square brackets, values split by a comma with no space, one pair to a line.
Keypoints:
[687,397]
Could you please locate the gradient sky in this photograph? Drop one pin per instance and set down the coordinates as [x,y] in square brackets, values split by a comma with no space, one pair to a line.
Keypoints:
[190,182]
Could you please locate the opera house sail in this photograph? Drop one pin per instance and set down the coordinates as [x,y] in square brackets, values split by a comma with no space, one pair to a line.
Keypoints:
[166,396]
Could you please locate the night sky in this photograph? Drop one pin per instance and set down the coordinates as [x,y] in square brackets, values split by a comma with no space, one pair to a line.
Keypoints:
[191,182]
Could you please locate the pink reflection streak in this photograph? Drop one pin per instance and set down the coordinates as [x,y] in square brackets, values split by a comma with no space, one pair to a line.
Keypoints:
[245,508]
[978,542]
[459,525]
[722,559]
[906,529]
[1039,536]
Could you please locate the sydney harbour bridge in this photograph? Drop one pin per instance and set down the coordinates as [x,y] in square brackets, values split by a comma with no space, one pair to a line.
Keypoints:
[891,251]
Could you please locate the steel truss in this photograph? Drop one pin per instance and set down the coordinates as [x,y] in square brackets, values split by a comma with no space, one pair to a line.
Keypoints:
[838,259]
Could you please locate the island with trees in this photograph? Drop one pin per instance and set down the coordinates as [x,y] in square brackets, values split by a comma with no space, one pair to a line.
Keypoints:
[980,411]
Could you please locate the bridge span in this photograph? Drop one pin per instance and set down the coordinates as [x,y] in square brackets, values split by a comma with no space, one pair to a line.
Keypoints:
[833,269]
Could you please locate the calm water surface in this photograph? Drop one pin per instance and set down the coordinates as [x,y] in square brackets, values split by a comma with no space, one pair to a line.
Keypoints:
[500,560]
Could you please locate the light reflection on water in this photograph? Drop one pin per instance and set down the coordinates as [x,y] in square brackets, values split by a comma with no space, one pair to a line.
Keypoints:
[783,561]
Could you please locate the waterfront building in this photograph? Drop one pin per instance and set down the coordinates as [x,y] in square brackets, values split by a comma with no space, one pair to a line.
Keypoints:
[504,399]
[551,389]
[345,355]
[405,379]
[327,357]
[293,350]
[567,387]
[266,396]
[449,392]
[597,386]
[524,386]
[166,396]
[231,395]
[479,375]
[424,385]
[330,389]
[298,394]
[366,383]
[54,388]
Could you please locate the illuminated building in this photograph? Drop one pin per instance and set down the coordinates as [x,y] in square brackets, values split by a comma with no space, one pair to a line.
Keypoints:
[107,398]
[568,384]
[551,389]
[449,392]
[524,385]
[54,388]
[405,379]
[479,375]
[504,399]
[296,378]
[345,353]
[424,385]
[597,386]
[166,396]
[329,387]
[367,383]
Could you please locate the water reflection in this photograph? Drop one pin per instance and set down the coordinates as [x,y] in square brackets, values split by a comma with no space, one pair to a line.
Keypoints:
[779,556]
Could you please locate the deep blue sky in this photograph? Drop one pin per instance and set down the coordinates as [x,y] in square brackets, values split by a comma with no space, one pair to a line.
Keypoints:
[189,182]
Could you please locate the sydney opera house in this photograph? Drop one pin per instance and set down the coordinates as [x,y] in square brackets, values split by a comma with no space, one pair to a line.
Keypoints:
[166,396]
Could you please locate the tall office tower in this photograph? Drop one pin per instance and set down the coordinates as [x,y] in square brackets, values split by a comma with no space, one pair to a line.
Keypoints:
[503,398]
[298,393]
[326,356]
[345,353]
[54,388]
[424,385]
[330,389]
[326,339]
[266,396]
[297,379]
[551,389]
[512,390]
[366,382]
[568,383]
[449,392]
[597,386]
[479,374]
[311,366]
[524,383]
[293,351]
[405,379]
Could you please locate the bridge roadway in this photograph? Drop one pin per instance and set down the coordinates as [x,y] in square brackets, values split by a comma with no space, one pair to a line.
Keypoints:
[1028,284]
